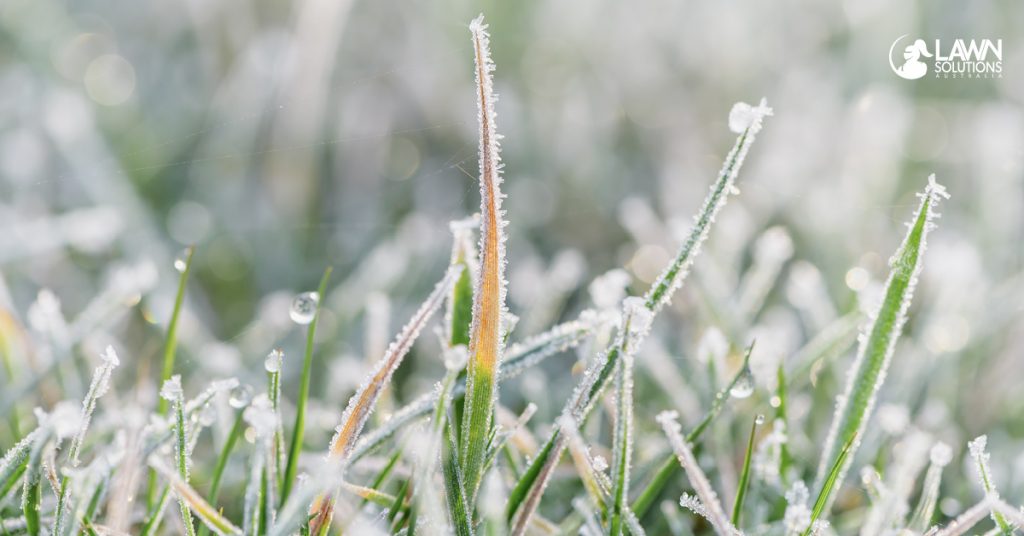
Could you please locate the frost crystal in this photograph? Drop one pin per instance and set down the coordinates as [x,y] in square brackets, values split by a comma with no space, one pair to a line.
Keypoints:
[798,515]
[746,118]
[171,390]
[99,387]
[261,416]
[608,289]
[941,454]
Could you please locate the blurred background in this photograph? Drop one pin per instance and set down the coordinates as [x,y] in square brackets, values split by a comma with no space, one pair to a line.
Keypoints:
[283,137]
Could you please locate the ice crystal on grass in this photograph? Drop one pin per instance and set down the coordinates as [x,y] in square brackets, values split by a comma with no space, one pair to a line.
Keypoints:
[715,513]
[97,388]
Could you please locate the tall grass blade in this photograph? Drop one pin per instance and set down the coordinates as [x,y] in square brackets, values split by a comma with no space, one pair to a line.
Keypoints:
[299,427]
[172,392]
[746,120]
[485,340]
[170,351]
[854,406]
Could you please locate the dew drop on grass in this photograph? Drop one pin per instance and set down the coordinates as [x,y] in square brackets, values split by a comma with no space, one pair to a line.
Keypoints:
[240,397]
[181,261]
[304,308]
[744,385]
[273,361]
[759,420]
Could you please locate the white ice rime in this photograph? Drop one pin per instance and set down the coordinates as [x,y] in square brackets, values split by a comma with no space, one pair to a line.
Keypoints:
[746,118]
[171,390]
[98,387]
[715,513]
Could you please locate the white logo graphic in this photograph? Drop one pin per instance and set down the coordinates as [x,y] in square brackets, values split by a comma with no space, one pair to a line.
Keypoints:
[963,59]
[913,68]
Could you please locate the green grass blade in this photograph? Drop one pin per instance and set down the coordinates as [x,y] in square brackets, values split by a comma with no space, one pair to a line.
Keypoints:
[741,488]
[170,351]
[32,487]
[222,462]
[980,456]
[853,408]
[534,480]
[831,484]
[299,426]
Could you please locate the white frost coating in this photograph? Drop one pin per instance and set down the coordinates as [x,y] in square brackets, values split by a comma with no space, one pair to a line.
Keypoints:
[768,457]
[98,387]
[715,513]
[694,505]
[941,454]
[746,118]
[261,416]
[273,361]
[933,194]
[672,278]
[798,514]
[171,390]
[981,456]
[592,472]
[608,289]
[357,413]
[523,355]
[639,319]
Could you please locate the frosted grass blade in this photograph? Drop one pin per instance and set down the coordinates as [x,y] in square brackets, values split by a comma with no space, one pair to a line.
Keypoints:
[715,513]
[980,456]
[363,401]
[745,120]
[854,406]
[485,340]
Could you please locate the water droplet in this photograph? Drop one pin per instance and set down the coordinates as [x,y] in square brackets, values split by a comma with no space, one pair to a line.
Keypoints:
[759,420]
[240,397]
[744,385]
[304,307]
[273,361]
[181,261]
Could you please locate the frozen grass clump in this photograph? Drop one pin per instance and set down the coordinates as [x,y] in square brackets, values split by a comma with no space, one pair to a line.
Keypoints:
[459,425]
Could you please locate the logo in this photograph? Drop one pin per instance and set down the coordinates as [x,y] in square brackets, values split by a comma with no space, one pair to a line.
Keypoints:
[964,58]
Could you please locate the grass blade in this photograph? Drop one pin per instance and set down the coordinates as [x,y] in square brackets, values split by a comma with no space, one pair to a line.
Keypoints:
[853,408]
[485,341]
[361,405]
[195,502]
[746,121]
[713,508]
[741,488]
[299,427]
[170,350]
[831,484]
[980,456]
[171,391]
